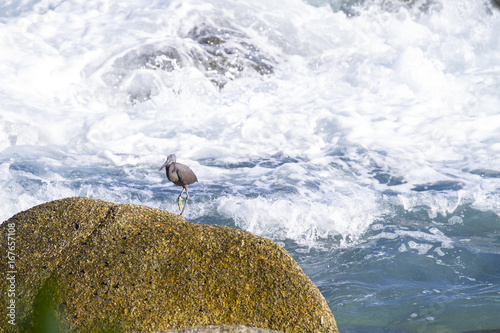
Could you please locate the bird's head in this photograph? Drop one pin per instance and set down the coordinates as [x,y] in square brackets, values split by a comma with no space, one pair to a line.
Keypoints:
[170,160]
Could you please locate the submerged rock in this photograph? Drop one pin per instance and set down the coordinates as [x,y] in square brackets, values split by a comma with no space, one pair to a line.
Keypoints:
[220,54]
[224,54]
[87,265]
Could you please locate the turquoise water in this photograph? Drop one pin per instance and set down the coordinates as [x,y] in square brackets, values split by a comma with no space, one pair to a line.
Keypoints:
[363,136]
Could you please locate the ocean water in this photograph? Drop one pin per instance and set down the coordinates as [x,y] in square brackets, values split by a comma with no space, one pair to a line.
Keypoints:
[363,136]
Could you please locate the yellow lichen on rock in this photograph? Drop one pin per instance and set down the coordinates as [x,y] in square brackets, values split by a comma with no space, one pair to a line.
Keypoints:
[133,268]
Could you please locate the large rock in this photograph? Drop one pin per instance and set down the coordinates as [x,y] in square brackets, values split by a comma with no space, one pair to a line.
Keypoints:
[220,329]
[80,264]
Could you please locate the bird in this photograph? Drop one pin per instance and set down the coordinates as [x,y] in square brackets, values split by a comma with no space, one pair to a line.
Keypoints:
[180,175]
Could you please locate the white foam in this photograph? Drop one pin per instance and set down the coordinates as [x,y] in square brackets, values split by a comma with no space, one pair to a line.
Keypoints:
[304,221]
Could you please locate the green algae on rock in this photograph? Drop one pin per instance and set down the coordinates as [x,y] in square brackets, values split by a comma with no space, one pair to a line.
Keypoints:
[127,268]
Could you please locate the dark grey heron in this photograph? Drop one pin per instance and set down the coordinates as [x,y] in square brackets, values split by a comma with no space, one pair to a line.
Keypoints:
[180,175]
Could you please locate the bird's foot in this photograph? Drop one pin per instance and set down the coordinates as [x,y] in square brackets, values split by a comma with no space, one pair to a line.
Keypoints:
[179,202]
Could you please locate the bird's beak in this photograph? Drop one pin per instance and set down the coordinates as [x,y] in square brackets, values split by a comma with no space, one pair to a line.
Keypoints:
[164,165]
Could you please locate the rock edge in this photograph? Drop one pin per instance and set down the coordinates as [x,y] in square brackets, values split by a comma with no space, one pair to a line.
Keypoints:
[91,265]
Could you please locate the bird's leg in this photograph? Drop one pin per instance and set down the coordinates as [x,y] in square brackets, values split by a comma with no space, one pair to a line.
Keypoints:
[179,199]
[187,198]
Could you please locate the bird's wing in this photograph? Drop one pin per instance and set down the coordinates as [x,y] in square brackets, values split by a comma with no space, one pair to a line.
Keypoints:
[186,175]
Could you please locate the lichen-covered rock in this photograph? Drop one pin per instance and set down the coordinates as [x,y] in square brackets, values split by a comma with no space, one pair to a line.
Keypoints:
[86,265]
[220,329]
